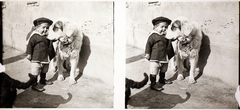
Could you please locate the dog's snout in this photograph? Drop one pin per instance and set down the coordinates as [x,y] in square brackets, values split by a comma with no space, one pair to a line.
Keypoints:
[180,38]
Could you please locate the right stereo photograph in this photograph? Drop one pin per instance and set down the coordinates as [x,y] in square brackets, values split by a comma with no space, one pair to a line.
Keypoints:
[182,55]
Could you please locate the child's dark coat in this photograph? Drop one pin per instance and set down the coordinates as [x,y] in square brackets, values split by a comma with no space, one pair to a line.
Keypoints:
[158,47]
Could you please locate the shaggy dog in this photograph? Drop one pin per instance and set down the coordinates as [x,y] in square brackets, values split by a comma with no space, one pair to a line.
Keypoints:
[8,90]
[132,84]
[68,46]
[189,38]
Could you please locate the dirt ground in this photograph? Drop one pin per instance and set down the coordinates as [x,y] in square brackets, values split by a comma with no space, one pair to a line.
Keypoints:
[87,93]
[207,93]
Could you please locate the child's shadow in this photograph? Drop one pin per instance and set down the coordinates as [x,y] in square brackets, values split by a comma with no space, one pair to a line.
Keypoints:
[151,99]
[84,56]
[34,99]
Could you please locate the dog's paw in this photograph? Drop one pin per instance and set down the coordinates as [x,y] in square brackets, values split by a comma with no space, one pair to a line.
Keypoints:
[191,81]
[60,78]
[72,81]
[180,77]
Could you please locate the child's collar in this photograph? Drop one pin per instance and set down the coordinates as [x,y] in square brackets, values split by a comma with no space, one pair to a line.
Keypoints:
[36,32]
[153,31]
[33,32]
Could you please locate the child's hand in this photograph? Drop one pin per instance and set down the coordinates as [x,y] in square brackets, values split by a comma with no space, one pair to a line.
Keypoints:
[29,57]
[147,56]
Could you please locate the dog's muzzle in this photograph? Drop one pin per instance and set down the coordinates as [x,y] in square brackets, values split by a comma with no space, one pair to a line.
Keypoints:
[64,40]
[184,40]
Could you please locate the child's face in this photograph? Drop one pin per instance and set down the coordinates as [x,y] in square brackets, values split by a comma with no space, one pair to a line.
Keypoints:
[161,28]
[43,28]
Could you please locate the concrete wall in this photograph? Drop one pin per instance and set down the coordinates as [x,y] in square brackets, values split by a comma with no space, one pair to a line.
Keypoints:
[219,55]
[96,19]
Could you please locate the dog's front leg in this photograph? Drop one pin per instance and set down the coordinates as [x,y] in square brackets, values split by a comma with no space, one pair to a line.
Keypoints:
[180,67]
[74,63]
[193,63]
[60,68]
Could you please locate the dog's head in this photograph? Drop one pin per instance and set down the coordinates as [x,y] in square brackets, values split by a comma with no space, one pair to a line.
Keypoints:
[180,29]
[62,30]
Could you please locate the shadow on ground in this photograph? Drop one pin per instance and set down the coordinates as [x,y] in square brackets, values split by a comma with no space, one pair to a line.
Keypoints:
[33,99]
[14,58]
[151,99]
[204,53]
[134,58]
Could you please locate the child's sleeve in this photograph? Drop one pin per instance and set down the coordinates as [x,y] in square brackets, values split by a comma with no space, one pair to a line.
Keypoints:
[170,49]
[51,50]
[31,44]
[148,48]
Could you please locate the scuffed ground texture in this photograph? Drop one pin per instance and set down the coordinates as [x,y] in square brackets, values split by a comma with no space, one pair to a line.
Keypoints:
[207,93]
[87,93]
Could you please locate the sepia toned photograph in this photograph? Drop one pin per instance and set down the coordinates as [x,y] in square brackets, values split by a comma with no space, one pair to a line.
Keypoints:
[57,54]
[77,54]
[182,55]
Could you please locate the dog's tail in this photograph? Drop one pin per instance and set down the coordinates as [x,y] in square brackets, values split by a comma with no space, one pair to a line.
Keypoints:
[133,84]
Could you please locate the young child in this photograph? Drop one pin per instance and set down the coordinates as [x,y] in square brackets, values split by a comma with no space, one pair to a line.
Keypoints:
[158,51]
[40,51]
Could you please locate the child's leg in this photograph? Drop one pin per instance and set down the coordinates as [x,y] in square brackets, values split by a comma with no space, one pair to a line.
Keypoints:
[154,68]
[43,75]
[163,69]
[36,69]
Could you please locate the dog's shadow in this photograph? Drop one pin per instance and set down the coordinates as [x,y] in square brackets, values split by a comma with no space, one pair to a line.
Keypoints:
[204,53]
[151,99]
[84,56]
[34,99]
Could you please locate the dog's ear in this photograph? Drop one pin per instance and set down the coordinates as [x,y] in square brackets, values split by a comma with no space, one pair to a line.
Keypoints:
[175,24]
[174,30]
[55,30]
[69,28]
[186,28]
[58,25]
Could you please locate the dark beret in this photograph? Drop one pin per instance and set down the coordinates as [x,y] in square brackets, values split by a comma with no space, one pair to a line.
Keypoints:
[42,20]
[161,19]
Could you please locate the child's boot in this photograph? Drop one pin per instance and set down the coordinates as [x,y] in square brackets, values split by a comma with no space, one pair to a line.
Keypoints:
[36,87]
[43,79]
[153,84]
[162,79]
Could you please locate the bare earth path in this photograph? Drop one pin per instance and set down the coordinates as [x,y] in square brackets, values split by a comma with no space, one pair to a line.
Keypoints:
[87,93]
[207,93]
